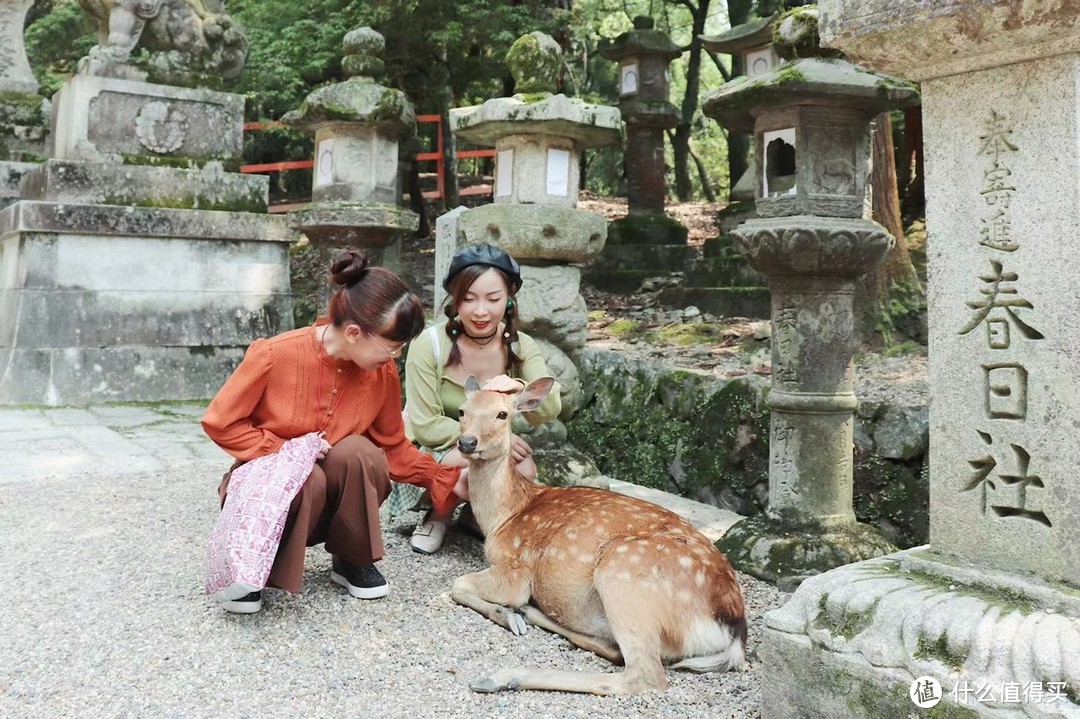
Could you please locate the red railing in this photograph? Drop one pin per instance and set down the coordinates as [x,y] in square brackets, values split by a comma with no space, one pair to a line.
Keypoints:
[436,157]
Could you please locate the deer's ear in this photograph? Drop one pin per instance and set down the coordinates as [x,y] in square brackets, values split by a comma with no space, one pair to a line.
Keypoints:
[534,394]
[472,386]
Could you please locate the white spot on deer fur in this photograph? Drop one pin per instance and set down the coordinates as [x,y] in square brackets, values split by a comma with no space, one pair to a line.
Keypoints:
[622,548]
[517,542]
[623,576]
[634,558]
[684,596]
[585,557]
[686,562]
[699,579]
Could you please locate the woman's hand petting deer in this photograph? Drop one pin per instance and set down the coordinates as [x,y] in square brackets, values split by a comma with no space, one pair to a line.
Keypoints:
[618,576]
[480,338]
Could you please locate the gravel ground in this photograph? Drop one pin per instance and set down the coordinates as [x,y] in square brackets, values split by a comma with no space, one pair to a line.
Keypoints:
[103,614]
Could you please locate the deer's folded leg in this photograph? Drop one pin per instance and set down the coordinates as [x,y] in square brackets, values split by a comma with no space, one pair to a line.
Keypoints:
[602,647]
[496,595]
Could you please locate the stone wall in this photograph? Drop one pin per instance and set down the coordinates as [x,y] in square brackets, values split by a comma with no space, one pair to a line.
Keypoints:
[706,438]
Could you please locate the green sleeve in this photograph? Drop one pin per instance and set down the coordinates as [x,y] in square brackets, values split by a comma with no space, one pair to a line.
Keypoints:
[427,423]
[534,367]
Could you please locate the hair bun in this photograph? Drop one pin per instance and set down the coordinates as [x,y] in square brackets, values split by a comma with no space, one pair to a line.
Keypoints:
[349,268]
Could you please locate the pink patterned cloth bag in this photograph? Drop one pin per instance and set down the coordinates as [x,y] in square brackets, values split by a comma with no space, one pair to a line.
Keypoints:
[248,530]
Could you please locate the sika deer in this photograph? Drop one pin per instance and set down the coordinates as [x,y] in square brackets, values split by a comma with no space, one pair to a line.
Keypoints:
[618,576]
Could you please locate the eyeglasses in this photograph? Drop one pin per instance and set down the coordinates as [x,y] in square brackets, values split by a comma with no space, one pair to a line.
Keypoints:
[394,353]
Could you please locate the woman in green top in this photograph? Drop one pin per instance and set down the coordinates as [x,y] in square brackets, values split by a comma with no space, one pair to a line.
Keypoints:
[479,337]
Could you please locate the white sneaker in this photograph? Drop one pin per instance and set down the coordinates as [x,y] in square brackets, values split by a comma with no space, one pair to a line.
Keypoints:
[429,534]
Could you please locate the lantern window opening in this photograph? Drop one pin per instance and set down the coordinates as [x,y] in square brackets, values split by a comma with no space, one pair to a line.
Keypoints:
[779,173]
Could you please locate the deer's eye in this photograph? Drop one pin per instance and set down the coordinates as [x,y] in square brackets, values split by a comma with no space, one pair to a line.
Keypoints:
[461,413]
[501,415]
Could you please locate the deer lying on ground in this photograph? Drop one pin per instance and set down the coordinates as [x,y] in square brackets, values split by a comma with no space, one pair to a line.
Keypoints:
[618,576]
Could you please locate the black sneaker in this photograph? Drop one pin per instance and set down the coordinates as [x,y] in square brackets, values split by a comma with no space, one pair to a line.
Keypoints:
[364,582]
[247,604]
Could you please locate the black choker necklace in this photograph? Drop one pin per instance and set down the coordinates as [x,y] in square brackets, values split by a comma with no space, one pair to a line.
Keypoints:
[483,341]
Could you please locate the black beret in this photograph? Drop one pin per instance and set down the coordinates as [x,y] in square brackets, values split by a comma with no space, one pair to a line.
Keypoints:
[484,255]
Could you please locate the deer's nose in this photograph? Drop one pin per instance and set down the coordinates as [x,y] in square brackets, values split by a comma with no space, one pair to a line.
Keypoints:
[467,445]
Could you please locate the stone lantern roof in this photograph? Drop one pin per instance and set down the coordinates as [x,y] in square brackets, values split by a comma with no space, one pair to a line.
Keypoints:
[755,33]
[642,40]
[808,81]
[534,61]
[358,99]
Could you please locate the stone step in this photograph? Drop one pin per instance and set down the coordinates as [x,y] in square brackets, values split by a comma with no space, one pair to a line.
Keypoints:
[729,271]
[721,246]
[659,258]
[721,301]
[711,521]
[619,281]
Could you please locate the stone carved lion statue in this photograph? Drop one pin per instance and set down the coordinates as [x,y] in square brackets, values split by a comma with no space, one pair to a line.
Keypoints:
[188,41]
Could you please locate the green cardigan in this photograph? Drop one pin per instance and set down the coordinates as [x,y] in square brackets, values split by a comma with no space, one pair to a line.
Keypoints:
[432,397]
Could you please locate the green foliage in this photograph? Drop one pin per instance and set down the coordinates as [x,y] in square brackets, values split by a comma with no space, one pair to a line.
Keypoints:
[56,41]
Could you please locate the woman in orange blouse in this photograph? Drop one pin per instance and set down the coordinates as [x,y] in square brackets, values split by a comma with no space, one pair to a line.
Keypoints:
[337,377]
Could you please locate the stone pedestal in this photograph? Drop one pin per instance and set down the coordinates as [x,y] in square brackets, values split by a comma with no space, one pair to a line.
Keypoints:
[137,266]
[126,122]
[106,303]
[989,611]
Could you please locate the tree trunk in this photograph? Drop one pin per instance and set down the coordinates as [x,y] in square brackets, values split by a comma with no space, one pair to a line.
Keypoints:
[681,142]
[890,300]
[913,182]
[738,142]
[450,198]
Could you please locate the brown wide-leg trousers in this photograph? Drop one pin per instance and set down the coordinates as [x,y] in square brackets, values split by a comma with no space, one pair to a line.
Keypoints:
[339,506]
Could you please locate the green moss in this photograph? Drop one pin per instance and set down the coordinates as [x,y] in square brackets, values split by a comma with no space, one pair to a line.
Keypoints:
[939,650]
[905,349]
[253,203]
[717,430]
[530,97]
[797,546]
[788,73]
[947,710]
[624,328]
[185,163]
[894,496]
[21,108]
[684,335]
[1006,600]
[852,624]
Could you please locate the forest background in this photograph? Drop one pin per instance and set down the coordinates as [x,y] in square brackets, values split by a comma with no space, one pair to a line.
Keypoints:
[451,53]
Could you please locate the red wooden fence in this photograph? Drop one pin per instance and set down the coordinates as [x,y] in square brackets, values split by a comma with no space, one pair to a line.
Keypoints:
[436,157]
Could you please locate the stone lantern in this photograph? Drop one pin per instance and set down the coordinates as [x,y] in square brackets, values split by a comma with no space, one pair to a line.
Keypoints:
[811,123]
[646,241]
[538,138]
[751,41]
[357,124]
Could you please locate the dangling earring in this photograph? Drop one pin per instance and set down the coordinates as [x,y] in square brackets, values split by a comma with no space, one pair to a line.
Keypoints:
[509,304]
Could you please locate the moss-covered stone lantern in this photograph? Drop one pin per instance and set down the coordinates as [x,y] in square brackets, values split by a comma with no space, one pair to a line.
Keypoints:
[357,124]
[538,137]
[646,242]
[811,122]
